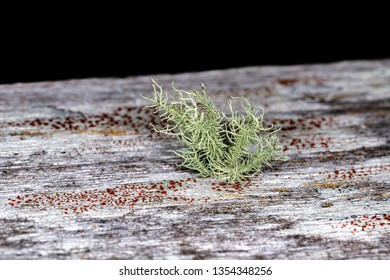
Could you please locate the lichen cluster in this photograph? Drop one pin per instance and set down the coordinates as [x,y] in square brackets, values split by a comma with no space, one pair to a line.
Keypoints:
[229,147]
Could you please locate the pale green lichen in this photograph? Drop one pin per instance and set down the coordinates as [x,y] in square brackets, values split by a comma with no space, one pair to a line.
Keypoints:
[229,147]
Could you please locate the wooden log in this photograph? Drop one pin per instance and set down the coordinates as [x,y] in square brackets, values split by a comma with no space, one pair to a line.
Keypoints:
[84,176]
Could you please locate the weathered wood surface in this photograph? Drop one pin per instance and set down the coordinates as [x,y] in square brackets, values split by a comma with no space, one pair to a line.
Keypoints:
[84,177]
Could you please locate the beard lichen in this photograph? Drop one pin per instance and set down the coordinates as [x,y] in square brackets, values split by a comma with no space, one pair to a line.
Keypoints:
[228,147]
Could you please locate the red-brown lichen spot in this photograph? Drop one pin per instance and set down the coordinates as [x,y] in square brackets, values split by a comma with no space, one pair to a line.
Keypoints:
[365,223]
[129,195]
[288,82]
[134,120]
[231,187]
[305,142]
[304,123]
[356,173]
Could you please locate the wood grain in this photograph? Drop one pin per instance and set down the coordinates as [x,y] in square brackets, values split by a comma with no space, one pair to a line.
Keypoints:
[83,175]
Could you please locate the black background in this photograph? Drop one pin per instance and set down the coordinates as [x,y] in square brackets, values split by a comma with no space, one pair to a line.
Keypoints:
[84,62]
[102,47]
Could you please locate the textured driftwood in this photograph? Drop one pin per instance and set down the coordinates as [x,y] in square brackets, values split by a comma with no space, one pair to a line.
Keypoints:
[84,177]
